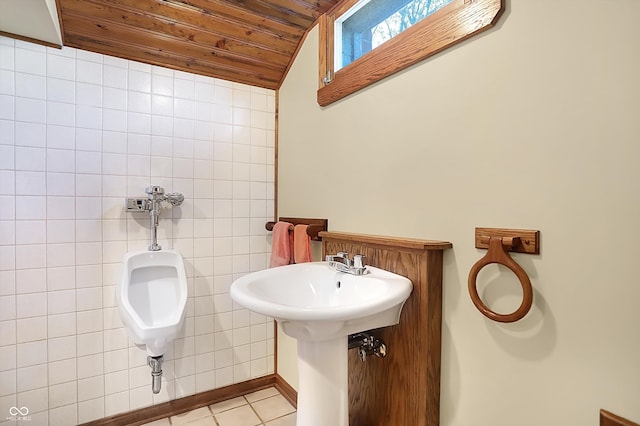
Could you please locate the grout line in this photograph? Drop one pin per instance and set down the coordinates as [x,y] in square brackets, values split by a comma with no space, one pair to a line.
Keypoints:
[256,413]
[262,421]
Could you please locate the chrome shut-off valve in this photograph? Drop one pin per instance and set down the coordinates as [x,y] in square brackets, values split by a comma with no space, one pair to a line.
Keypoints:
[367,345]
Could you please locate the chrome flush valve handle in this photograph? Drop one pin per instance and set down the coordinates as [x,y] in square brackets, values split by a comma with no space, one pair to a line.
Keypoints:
[175,198]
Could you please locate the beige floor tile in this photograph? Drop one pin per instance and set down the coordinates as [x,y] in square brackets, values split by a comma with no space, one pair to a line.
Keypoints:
[205,421]
[228,404]
[190,416]
[240,416]
[161,422]
[288,420]
[273,407]
[261,394]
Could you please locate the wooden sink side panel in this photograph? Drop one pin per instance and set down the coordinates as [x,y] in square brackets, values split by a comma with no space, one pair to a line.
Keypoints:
[404,387]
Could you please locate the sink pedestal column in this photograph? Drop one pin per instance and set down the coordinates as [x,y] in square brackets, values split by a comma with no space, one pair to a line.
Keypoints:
[323,383]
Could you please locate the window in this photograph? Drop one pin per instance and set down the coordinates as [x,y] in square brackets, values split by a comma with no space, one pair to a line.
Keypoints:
[364,41]
[369,23]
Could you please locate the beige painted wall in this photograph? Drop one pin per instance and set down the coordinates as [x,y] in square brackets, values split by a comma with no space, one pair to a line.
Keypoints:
[534,124]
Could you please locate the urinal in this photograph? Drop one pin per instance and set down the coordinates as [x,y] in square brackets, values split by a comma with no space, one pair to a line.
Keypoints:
[152,296]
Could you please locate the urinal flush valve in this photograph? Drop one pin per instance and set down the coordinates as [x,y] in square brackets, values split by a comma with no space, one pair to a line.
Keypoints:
[153,204]
[155,362]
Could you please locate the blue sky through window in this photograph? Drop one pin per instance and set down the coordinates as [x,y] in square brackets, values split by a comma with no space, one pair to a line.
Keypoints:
[411,13]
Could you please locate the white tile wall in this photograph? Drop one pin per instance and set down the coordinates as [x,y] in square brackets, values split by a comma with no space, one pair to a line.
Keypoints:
[79,132]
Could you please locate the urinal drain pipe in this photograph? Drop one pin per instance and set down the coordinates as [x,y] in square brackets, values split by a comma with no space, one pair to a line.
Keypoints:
[155,362]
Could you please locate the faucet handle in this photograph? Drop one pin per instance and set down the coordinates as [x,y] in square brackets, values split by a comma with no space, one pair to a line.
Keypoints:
[344,255]
[359,261]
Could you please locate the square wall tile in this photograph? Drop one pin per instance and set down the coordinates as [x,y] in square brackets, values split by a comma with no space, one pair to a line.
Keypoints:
[31,305]
[114,76]
[60,255]
[90,388]
[31,280]
[7,283]
[29,133]
[61,325]
[59,90]
[90,343]
[30,86]
[62,371]
[60,137]
[30,61]
[62,348]
[60,113]
[64,416]
[60,67]
[63,394]
[33,377]
[116,403]
[91,410]
[30,183]
[37,400]
[92,365]
[61,184]
[60,302]
[88,72]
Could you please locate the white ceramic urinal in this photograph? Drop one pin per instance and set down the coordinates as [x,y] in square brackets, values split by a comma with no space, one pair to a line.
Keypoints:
[152,295]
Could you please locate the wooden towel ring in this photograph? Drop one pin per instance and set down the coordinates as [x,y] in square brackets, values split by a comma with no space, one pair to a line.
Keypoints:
[498,254]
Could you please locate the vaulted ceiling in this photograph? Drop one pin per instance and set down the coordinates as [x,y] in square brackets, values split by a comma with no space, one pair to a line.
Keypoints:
[247,41]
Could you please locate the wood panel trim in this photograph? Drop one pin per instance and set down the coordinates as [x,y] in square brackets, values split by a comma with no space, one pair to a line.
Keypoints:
[397,242]
[287,390]
[188,403]
[30,40]
[609,419]
[404,387]
[529,239]
[275,155]
[59,11]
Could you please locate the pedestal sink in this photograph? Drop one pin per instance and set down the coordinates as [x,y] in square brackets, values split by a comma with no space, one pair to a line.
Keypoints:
[321,307]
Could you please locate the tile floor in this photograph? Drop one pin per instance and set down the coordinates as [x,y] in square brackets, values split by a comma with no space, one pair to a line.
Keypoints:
[266,407]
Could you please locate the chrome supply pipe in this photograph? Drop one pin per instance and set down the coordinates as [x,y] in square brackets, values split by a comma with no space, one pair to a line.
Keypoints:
[156,195]
[154,215]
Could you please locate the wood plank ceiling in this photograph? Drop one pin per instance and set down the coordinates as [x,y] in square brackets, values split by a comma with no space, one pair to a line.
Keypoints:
[246,41]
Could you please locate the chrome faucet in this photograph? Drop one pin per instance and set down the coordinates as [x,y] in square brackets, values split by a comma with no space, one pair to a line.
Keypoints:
[342,263]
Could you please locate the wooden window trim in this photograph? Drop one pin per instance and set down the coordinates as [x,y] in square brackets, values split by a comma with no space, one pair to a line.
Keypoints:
[447,27]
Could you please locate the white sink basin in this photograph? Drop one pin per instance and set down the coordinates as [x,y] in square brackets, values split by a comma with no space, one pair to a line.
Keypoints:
[312,301]
[321,307]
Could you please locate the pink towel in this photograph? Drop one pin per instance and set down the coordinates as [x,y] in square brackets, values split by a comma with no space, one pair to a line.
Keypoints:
[281,245]
[301,244]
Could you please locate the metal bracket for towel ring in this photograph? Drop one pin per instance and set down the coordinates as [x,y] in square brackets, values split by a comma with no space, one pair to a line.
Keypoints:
[498,247]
